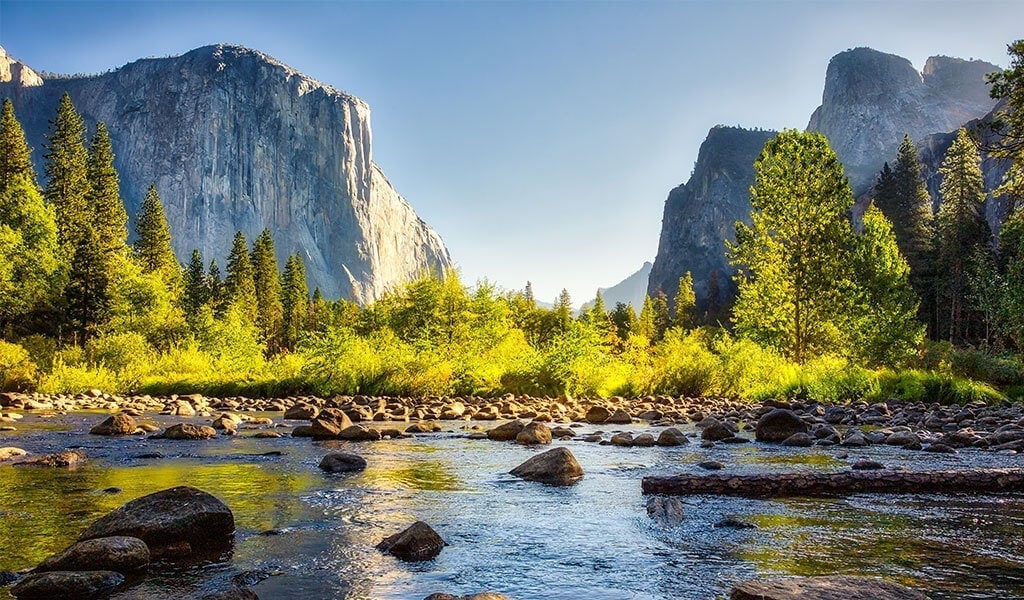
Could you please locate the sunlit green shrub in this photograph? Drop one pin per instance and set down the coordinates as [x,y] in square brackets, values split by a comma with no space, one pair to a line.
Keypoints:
[17,371]
[71,378]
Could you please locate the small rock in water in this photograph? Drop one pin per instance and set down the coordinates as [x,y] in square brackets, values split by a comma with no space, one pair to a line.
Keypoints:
[711,465]
[11,452]
[118,553]
[188,431]
[799,440]
[866,464]
[672,437]
[505,432]
[555,467]
[842,587]
[667,511]
[63,459]
[342,462]
[119,424]
[416,543]
[235,593]
[940,448]
[778,425]
[734,523]
[644,440]
[68,585]
[249,578]
[8,577]
[111,490]
[534,434]
[622,439]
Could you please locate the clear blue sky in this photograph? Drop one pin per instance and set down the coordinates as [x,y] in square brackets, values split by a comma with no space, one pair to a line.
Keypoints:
[540,139]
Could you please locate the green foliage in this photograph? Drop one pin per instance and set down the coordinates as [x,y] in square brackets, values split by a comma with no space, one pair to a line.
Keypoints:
[239,284]
[685,304]
[962,230]
[1008,85]
[141,302]
[17,371]
[153,239]
[87,295]
[104,197]
[791,267]
[268,289]
[196,291]
[67,182]
[28,250]
[15,153]
[294,300]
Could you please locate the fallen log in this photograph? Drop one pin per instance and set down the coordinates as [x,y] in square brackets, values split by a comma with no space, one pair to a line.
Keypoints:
[779,485]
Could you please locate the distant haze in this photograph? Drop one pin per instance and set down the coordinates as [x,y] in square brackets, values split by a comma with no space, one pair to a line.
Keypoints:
[539,139]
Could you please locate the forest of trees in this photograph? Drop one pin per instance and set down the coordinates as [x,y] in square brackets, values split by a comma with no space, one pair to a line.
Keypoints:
[900,301]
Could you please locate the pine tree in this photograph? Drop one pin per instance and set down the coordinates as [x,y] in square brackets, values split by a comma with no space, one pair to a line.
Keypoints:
[562,312]
[87,294]
[104,198]
[791,259]
[294,299]
[962,231]
[884,329]
[624,319]
[1008,86]
[215,287]
[528,294]
[645,325]
[266,280]
[28,250]
[239,283]
[903,198]
[662,316]
[320,312]
[197,289]
[685,303]
[67,182]
[15,153]
[713,308]
[153,244]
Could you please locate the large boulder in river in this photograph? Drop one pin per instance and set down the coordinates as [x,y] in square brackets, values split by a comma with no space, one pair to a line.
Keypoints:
[534,434]
[505,432]
[831,587]
[716,430]
[181,515]
[301,411]
[188,431]
[117,553]
[778,425]
[555,467]
[342,462]
[418,542]
[119,424]
[66,585]
[672,437]
[597,415]
[330,423]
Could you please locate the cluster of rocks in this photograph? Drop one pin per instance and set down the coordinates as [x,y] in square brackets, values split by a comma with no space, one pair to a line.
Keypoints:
[168,525]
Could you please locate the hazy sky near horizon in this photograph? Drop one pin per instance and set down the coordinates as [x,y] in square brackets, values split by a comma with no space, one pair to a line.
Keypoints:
[540,139]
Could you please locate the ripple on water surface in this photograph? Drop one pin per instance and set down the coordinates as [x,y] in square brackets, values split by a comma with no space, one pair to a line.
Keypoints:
[591,540]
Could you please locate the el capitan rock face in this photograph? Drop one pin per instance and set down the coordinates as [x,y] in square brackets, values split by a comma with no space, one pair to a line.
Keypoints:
[235,140]
[871,99]
[701,214]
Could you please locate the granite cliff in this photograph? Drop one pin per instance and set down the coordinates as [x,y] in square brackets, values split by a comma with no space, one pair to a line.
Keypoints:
[236,140]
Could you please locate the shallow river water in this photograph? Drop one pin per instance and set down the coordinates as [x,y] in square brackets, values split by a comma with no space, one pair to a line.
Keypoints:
[593,540]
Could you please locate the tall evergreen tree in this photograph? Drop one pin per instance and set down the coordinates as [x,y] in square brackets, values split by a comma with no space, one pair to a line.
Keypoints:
[104,199]
[791,259]
[685,304]
[87,295]
[294,299]
[239,283]
[962,231]
[15,153]
[903,198]
[267,282]
[562,312]
[216,288]
[528,294]
[1008,85]
[67,181]
[153,243]
[197,289]
[624,319]
[662,316]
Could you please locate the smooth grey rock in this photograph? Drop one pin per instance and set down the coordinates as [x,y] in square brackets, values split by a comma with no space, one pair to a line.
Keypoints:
[117,553]
[416,543]
[66,585]
[555,467]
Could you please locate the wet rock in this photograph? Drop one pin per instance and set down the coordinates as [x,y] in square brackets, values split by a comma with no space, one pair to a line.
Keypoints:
[10,452]
[506,432]
[866,464]
[667,511]
[181,515]
[8,577]
[597,414]
[798,440]
[301,411]
[183,409]
[425,427]
[562,432]
[66,585]
[644,440]
[119,424]
[188,431]
[831,587]
[416,543]
[940,448]
[330,423]
[234,593]
[672,437]
[904,439]
[778,425]
[249,578]
[619,417]
[481,596]
[359,433]
[711,465]
[62,459]
[342,462]
[715,431]
[622,439]
[555,467]
[303,431]
[854,440]
[534,434]
[118,553]
[734,523]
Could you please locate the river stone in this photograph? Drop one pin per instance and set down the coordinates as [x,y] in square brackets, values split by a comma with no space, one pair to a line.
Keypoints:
[181,515]
[778,425]
[672,437]
[623,439]
[798,440]
[117,553]
[342,462]
[597,414]
[188,431]
[831,587]
[301,411]
[716,431]
[644,440]
[119,424]
[711,465]
[666,510]
[620,417]
[359,433]
[235,593]
[10,452]
[62,459]
[423,427]
[903,438]
[480,596]
[8,577]
[416,543]
[555,467]
[506,432]
[330,423]
[534,434]
[866,464]
[66,585]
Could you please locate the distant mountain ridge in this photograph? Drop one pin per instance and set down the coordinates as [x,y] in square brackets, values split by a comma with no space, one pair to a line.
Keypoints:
[632,290]
[236,140]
